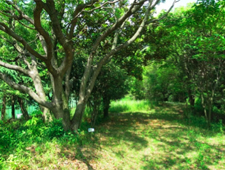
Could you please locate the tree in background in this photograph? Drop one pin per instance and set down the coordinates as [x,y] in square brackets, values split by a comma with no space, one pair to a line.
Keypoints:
[196,49]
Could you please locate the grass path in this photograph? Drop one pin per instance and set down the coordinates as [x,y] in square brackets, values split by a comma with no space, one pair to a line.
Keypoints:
[157,139]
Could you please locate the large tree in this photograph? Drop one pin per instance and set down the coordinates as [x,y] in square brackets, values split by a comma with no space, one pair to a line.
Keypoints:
[48,34]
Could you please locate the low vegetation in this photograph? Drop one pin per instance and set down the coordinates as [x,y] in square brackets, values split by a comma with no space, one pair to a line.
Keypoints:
[156,137]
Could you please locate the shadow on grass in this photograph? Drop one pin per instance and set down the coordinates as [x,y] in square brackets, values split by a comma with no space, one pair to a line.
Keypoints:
[179,143]
[119,128]
[178,140]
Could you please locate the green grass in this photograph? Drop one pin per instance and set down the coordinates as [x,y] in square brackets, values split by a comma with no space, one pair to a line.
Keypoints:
[129,105]
[138,137]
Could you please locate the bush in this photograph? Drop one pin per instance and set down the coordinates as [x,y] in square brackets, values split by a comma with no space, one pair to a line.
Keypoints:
[55,129]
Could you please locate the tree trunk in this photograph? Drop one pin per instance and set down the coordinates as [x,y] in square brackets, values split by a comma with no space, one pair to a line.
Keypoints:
[77,118]
[191,98]
[13,107]
[210,115]
[106,105]
[63,114]
[204,106]
[94,115]
[61,104]
[23,108]
[3,107]
[46,114]
[210,106]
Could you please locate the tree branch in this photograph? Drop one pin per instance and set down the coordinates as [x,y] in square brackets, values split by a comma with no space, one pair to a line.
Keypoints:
[22,15]
[11,33]
[66,44]
[76,13]
[14,67]
[25,90]
[40,29]
[119,22]
[171,7]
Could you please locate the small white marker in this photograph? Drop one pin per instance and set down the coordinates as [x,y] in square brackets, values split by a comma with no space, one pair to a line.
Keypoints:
[91,129]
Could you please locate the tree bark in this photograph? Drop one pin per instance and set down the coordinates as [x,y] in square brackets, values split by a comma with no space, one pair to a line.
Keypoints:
[23,108]
[3,107]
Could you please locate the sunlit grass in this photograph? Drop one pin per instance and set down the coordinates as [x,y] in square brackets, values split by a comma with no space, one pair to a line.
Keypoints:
[129,105]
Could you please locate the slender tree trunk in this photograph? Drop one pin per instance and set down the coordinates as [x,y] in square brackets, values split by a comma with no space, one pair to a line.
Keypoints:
[191,100]
[211,100]
[94,115]
[106,103]
[23,108]
[13,107]
[204,106]
[210,115]
[3,108]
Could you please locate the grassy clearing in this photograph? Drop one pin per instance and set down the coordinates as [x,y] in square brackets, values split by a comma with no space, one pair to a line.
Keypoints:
[129,105]
[157,138]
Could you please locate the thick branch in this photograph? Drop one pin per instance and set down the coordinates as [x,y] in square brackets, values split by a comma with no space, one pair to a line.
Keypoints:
[40,29]
[14,67]
[50,8]
[67,62]
[25,89]
[87,71]
[67,83]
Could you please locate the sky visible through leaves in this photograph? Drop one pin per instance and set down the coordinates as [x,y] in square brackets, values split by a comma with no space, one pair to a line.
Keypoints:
[166,5]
